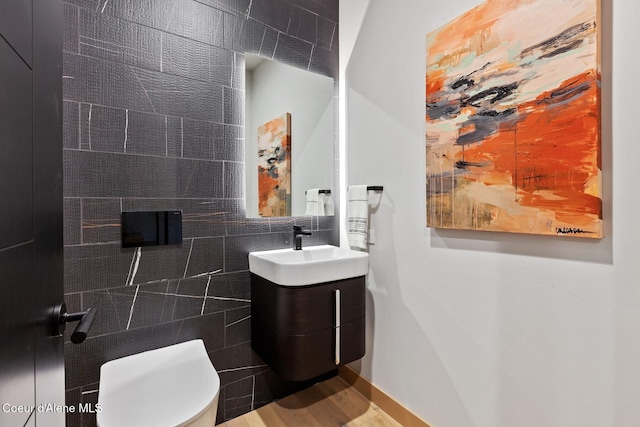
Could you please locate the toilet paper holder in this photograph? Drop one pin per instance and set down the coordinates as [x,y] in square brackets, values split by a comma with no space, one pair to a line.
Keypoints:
[60,319]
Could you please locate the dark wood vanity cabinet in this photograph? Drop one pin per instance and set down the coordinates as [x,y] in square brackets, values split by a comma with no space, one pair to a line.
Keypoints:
[297,330]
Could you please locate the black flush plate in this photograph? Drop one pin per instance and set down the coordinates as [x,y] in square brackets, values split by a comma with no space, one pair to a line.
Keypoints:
[151,228]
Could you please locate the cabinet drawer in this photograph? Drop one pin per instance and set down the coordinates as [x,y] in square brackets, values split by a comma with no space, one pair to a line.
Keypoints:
[300,357]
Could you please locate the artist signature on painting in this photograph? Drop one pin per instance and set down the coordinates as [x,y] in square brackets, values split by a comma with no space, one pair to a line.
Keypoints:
[570,230]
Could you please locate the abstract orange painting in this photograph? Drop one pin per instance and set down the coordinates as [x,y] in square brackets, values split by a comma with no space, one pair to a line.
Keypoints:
[274,167]
[513,119]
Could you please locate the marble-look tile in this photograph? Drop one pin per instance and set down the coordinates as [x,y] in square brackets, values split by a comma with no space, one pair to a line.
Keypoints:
[324,61]
[186,18]
[166,301]
[229,291]
[237,362]
[179,96]
[155,14]
[113,307]
[101,220]
[154,303]
[147,133]
[72,227]
[206,257]
[326,222]
[268,43]
[157,263]
[221,66]
[319,237]
[229,142]
[186,57]
[233,106]
[237,327]
[239,397]
[234,180]
[190,297]
[285,224]
[272,13]
[71,34]
[89,399]
[208,328]
[73,398]
[107,266]
[175,133]
[292,51]
[198,22]
[106,37]
[71,124]
[303,24]
[83,400]
[102,128]
[325,8]
[238,75]
[95,267]
[238,223]
[198,139]
[234,33]
[106,83]
[237,248]
[327,33]
[232,6]
[124,175]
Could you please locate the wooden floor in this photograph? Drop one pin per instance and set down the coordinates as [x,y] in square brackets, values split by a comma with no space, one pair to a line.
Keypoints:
[326,404]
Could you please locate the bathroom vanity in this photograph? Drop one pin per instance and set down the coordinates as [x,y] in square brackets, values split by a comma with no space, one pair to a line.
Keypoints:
[308,309]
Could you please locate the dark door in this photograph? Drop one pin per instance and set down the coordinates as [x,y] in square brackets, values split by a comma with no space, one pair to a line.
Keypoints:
[31,275]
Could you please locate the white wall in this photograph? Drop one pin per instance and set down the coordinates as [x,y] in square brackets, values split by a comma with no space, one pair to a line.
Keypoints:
[492,329]
[273,89]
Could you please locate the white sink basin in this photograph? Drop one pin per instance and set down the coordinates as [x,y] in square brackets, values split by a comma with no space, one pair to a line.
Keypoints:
[313,264]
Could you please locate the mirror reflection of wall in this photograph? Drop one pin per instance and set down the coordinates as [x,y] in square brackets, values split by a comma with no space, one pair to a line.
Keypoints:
[272,89]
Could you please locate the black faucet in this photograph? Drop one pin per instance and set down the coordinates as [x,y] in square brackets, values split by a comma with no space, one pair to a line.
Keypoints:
[298,232]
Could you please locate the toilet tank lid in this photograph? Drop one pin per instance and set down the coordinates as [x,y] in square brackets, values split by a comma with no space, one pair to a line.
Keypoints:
[165,386]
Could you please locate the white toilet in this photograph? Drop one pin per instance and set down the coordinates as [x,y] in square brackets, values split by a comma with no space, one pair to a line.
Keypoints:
[171,386]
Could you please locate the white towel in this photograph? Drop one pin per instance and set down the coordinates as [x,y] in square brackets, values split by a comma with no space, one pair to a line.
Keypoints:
[357,216]
[314,206]
[327,201]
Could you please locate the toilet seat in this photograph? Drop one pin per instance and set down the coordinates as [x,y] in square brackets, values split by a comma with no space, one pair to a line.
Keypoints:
[170,386]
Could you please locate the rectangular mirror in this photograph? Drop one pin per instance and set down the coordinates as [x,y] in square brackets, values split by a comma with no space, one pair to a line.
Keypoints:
[291,111]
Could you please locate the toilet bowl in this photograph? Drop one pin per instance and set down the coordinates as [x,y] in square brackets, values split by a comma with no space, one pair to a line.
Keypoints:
[170,386]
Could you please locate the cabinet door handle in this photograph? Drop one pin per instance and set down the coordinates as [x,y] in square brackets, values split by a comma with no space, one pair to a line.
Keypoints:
[337,326]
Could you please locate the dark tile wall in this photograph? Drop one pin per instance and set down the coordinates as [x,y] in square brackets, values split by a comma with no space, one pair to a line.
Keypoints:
[153,120]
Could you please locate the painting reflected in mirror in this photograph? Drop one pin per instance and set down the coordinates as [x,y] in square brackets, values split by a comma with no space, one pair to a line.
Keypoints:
[289,140]
[274,167]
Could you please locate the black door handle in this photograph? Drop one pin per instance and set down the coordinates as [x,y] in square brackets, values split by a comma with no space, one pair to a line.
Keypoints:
[60,319]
